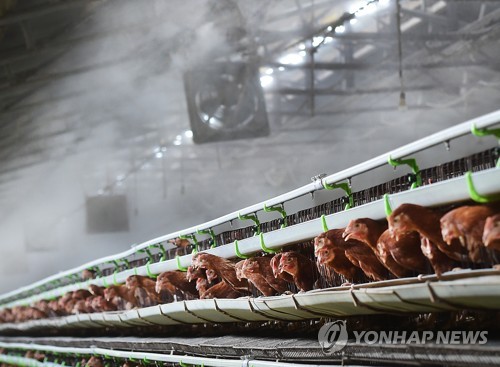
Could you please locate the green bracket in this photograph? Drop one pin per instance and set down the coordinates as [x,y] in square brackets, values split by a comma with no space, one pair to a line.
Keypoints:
[263,245]
[387,205]
[280,209]
[114,278]
[148,271]
[344,186]
[485,132]
[252,218]
[162,250]
[148,252]
[474,195]
[413,165]
[115,263]
[211,233]
[193,238]
[237,251]
[105,283]
[97,271]
[179,267]
[323,223]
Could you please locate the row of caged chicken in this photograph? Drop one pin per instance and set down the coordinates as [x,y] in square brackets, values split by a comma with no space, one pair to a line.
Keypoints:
[414,240]
[92,361]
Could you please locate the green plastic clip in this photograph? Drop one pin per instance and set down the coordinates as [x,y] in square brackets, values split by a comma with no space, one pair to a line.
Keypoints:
[179,266]
[105,283]
[252,218]
[147,251]
[344,186]
[387,205]
[114,278]
[148,271]
[474,195]
[163,251]
[193,238]
[485,132]
[280,209]
[263,245]
[211,233]
[237,251]
[413,165]
[97,271]
[323,223]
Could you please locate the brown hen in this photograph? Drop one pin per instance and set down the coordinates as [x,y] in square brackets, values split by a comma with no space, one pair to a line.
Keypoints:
[304,271]
[368,231]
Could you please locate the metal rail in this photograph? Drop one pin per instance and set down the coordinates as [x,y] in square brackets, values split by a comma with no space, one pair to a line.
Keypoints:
[247,245]
[146,356]
[454,190]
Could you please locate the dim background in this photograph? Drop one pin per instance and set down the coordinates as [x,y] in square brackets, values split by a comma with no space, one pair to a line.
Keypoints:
[92,103]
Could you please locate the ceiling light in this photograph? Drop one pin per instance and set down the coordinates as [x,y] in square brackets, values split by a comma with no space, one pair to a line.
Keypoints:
[302,46]
[384,2]
[317,41]
[281,68]
[340,29]
[177,142]
[266,80]
[178,137]
[188,133]
[329,28]
[269,71]
[328,39]
[302,53]
[163,149]
[157,149]
[292,59]
[159,155]
[353,21]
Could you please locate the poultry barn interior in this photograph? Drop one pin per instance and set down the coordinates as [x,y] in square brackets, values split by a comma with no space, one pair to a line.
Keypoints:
[249,183]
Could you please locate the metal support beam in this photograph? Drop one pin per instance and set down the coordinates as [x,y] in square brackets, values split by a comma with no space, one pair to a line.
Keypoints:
[386,66]
[355,92]
[426,16]
[44,10]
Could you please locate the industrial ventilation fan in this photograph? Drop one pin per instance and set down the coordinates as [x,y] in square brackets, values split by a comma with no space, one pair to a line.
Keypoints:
[225,102]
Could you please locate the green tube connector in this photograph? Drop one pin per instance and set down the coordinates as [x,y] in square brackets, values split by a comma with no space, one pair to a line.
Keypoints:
[474,195]
[344,186]
[279,209]
[211,233]
[485,132]
[193,238]
[387,205]
[179,266]
[148,271]
[237,251]
[252,218]
[413,165]
[323,223]
[263,245]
